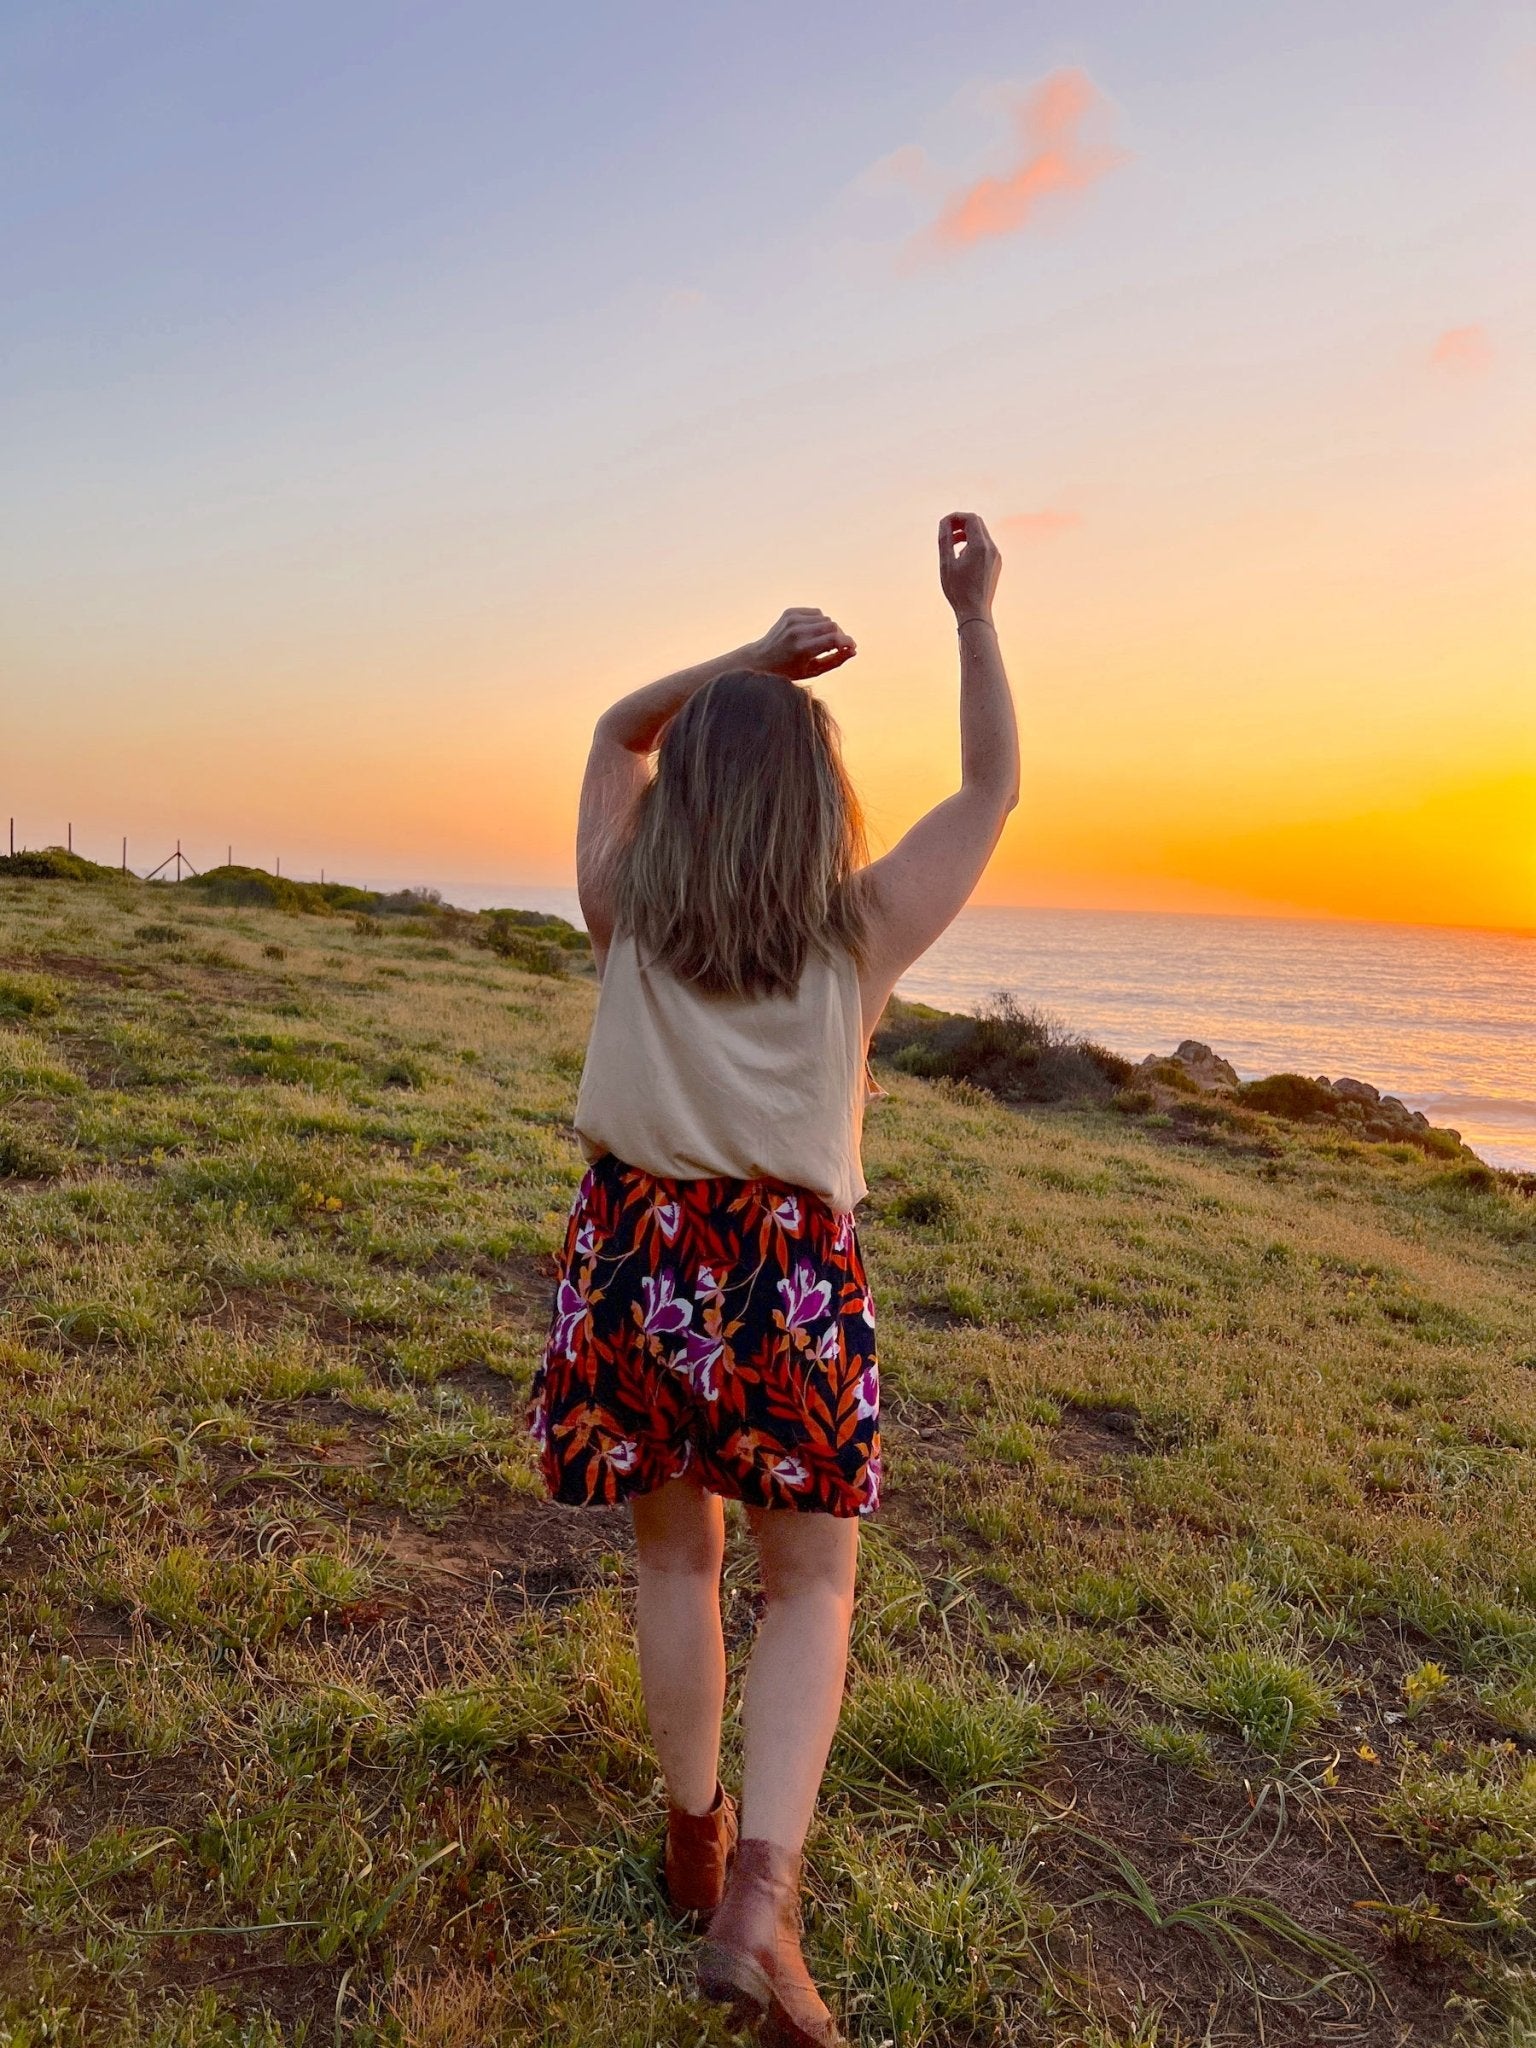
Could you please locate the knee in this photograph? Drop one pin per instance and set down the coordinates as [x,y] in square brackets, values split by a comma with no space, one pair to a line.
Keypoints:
[819,1572]
[680,1557]
[681,1545]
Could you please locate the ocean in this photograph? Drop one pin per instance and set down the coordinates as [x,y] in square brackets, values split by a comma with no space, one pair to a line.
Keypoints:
[1443,1017]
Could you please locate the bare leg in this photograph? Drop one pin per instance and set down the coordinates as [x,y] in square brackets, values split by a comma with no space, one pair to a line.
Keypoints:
[794,1689]
[680,1540]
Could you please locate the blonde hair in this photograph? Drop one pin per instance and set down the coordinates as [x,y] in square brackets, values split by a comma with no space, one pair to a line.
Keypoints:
[744,849]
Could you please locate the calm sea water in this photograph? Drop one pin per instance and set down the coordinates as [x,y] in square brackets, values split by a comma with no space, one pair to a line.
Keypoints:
[1444,1018]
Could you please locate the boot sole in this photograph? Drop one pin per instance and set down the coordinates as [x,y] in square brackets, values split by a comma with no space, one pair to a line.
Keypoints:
[732,1979]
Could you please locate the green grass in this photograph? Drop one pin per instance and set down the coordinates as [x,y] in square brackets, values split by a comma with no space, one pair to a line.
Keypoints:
[1194,1676]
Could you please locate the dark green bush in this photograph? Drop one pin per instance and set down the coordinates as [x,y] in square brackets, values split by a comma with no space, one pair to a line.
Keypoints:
[54,864]
[1021,1055]
[1289,1095]
[1172,1075]
[255,889]
[1472,1179]
[533,940]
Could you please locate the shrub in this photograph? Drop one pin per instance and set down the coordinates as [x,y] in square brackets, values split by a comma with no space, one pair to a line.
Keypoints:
[55,864]
[1293,1096]
[254,888]
[533,940]
[521,949]
[1472,1179]
[1018,1054]
[1173,1075]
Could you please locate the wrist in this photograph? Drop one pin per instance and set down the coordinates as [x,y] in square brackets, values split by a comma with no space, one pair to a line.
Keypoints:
[974,619]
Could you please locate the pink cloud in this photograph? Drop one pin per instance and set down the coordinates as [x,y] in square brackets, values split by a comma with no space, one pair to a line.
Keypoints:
[1039,525]
[908,169]
[1462,351]
[1053,158]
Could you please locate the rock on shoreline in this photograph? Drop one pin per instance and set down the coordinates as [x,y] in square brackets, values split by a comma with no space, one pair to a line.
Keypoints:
[1193,1065]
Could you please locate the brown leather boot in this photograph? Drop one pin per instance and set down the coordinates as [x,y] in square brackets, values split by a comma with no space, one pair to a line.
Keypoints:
[751,1958]
[699,1850]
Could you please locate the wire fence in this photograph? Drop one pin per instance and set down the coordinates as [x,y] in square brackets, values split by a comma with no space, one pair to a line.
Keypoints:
[176,859]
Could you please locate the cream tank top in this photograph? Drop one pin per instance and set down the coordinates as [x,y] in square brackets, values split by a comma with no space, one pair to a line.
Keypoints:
[691,1085]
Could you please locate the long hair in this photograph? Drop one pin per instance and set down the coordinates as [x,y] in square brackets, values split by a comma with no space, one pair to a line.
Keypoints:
[745,846]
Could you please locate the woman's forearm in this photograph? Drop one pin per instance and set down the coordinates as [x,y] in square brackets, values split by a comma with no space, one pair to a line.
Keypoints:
[801,646]
[989,731]
[638,720]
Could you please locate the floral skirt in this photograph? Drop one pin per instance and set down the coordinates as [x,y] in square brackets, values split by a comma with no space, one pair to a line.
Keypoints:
[717,1329]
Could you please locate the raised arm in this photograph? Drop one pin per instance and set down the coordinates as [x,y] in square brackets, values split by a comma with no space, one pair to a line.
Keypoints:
[805,643]
[916,889]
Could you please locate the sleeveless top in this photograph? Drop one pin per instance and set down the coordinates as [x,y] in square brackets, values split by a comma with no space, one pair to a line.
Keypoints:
[690,1085]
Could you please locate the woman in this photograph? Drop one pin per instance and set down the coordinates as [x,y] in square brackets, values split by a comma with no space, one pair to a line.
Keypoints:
[713,1333]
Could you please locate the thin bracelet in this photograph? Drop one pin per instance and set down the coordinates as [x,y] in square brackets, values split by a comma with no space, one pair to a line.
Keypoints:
[976,619]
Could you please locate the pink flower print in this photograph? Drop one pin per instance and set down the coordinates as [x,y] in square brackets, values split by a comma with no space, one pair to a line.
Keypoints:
[867,1310]
[623,1455]
[789,1472]
[786,1213]
[872,1475]
[805,1297]
[707,1282]
[538,1426]
[827,1346]
[571,1311]
[844,1230]
[668,1219]
[586,1239]
[665,1313]
[704,1354]
[868,1396]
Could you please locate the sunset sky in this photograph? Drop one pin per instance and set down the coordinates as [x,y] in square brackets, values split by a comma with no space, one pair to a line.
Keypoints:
[385,387]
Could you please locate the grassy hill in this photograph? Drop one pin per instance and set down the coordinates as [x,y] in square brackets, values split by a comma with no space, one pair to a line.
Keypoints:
[1194,1689]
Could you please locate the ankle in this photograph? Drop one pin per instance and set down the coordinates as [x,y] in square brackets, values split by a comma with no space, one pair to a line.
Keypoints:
[692,1811]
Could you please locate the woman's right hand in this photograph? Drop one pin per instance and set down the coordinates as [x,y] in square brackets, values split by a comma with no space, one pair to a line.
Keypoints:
[969,564]
[802,645]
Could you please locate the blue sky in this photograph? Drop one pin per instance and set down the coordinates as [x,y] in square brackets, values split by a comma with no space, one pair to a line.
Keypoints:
[369,364]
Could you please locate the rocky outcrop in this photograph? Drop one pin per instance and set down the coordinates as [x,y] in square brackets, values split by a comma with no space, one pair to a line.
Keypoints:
[1193,1068]
[1195,1061]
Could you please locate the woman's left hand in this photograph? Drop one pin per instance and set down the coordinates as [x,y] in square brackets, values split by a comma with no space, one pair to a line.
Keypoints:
[804,644]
